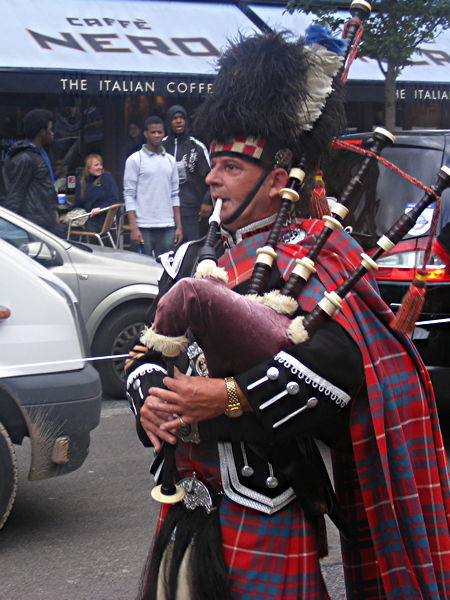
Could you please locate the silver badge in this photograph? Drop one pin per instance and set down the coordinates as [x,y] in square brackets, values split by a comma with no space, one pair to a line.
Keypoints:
[200,366]
[293,236]
[197,357]
[189,433]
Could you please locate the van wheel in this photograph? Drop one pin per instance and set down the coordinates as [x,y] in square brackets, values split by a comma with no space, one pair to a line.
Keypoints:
[8,475]
[117,335]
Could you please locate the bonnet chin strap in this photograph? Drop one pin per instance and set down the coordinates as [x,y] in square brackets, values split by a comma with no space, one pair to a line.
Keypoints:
[238,212]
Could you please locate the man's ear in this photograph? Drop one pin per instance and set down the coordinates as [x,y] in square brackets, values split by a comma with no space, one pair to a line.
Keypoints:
[279,178]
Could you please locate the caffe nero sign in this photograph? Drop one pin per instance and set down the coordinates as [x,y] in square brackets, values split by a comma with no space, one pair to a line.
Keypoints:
[105,84]
[423,93]
[115,48]
[157,48]
[112,43]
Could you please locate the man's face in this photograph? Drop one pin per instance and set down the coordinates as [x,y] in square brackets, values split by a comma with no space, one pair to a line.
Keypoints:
[178,123]
[232,178]
[154,135]
[47,135]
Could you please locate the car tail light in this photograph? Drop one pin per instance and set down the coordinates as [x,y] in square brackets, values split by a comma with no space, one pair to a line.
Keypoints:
[5,313]
[440,274]
[402,266]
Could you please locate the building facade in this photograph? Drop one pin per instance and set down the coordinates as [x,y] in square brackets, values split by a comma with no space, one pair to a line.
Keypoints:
[104,64]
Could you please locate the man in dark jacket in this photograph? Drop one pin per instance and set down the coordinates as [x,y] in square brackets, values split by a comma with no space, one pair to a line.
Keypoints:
[28,174]
[193,166]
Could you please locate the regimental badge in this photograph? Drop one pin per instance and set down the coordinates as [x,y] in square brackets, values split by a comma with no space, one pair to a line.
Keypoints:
[293,236]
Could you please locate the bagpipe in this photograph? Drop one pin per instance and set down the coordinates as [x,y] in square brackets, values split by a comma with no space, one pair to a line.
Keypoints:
[208,309]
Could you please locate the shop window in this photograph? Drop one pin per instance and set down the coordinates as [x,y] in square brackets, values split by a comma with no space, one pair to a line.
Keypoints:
[78,126]
[78,132]
[426,115]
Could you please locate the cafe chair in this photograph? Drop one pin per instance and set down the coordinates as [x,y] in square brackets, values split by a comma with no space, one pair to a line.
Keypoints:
[109,226]
[123,231]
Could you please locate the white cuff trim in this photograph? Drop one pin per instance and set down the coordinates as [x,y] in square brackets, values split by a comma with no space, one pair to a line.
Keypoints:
[144,369]
[322,385]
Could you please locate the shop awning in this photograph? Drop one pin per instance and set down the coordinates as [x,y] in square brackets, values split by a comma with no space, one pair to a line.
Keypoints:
[100,46]
[431,65]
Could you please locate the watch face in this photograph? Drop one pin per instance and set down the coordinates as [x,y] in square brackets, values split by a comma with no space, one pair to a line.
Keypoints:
[235,411]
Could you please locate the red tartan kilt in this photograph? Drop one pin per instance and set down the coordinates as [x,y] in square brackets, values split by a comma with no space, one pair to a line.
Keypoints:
[269,556]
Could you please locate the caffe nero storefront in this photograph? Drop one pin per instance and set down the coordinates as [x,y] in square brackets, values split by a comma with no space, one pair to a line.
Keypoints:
[102,65]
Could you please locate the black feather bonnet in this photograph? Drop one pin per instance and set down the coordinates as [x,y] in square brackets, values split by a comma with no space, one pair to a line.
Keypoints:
[276,89]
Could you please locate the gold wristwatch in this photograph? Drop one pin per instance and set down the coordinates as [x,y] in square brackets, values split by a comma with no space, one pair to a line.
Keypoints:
[234,408]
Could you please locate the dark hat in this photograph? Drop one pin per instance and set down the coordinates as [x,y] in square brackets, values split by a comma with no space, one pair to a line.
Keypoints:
[173,110]
[273,92]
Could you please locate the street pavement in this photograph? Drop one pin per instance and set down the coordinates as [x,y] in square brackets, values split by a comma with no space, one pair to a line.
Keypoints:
[85,536]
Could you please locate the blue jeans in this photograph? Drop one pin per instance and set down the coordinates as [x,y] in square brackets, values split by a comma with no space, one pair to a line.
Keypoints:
[157,240]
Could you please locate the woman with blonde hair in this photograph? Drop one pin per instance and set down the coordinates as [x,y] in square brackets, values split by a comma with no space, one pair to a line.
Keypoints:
[95,189]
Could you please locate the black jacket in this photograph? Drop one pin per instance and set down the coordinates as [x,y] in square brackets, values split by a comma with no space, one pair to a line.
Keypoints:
[30,191]
[290,449]
[193,166]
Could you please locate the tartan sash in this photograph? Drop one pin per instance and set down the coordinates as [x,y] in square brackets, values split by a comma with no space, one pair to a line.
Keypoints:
[400,458]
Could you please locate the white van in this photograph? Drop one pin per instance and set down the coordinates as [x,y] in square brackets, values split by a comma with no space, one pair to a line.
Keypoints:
[48,392]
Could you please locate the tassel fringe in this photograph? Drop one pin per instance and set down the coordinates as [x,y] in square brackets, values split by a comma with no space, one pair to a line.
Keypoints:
[411,306]
[283,305]
[168,346]
[297,332]
[208,268]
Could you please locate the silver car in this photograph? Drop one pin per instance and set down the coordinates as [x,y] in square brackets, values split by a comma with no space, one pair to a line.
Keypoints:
[114,287]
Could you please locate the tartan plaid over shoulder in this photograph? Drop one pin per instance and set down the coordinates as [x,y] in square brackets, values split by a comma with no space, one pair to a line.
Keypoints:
[401,486]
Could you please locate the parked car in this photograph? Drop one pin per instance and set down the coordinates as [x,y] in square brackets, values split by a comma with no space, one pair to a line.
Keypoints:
[48,392]
[114,288]
[385,197]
